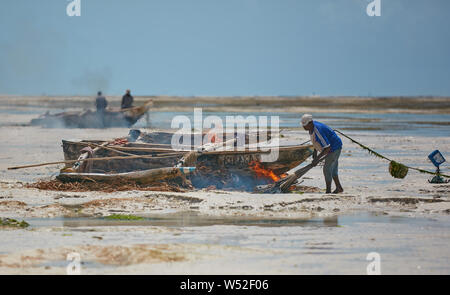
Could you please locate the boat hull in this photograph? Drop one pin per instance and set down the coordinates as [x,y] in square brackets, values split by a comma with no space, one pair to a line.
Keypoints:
[72,150]
[141,177]
[162,156]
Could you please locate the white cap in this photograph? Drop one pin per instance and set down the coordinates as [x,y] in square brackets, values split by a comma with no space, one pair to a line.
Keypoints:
[306,118]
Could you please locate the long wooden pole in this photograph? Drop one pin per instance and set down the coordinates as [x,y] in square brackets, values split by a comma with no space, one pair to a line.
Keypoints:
[168,155]
[105,147]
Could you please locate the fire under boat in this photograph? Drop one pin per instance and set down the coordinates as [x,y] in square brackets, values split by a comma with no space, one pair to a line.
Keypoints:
[149,157]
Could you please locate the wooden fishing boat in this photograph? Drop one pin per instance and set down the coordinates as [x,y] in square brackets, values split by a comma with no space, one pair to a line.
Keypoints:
[91,119]
[158,155]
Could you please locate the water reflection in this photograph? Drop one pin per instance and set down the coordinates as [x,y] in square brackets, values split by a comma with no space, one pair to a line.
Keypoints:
[186,219]
[194,219]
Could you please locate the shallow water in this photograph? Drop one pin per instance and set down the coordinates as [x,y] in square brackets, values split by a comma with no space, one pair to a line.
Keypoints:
[193,219]
[432,125]
[392,123]
[337,245]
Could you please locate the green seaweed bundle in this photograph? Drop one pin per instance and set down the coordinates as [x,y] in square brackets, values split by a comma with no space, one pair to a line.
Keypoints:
[397,170]
[123,217]
[9,222]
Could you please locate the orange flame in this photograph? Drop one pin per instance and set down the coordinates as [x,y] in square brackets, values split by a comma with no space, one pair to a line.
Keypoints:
[260,171]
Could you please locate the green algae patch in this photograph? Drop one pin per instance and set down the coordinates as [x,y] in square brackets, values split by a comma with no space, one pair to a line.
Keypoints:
[123,217]
[9,222]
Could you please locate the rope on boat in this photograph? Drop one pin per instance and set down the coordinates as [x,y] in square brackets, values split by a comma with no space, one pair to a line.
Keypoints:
[392,162]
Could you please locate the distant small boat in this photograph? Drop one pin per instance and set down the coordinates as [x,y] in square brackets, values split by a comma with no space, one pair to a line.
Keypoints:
[92,119]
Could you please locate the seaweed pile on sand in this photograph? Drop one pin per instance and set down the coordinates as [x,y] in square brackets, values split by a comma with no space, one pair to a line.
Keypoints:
[109,187]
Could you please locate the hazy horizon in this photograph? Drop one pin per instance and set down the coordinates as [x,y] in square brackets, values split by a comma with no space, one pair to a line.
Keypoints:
[119,96]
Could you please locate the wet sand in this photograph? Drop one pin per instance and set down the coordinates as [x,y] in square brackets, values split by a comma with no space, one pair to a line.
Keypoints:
[220,232]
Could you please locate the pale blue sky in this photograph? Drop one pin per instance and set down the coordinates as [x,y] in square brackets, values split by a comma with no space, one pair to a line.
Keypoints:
[225,47]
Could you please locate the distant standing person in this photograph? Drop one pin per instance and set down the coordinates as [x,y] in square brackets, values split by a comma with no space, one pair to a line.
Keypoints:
[100,102]
[127,100]
[327,142]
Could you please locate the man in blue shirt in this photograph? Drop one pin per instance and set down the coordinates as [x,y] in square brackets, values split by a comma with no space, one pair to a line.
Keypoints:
[326,141]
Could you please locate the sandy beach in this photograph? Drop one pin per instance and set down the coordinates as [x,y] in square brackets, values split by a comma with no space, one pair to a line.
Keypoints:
[174,143]
[405,220]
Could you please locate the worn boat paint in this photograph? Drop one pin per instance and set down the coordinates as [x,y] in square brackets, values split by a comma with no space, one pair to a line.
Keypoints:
[143,176]
[288,158]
